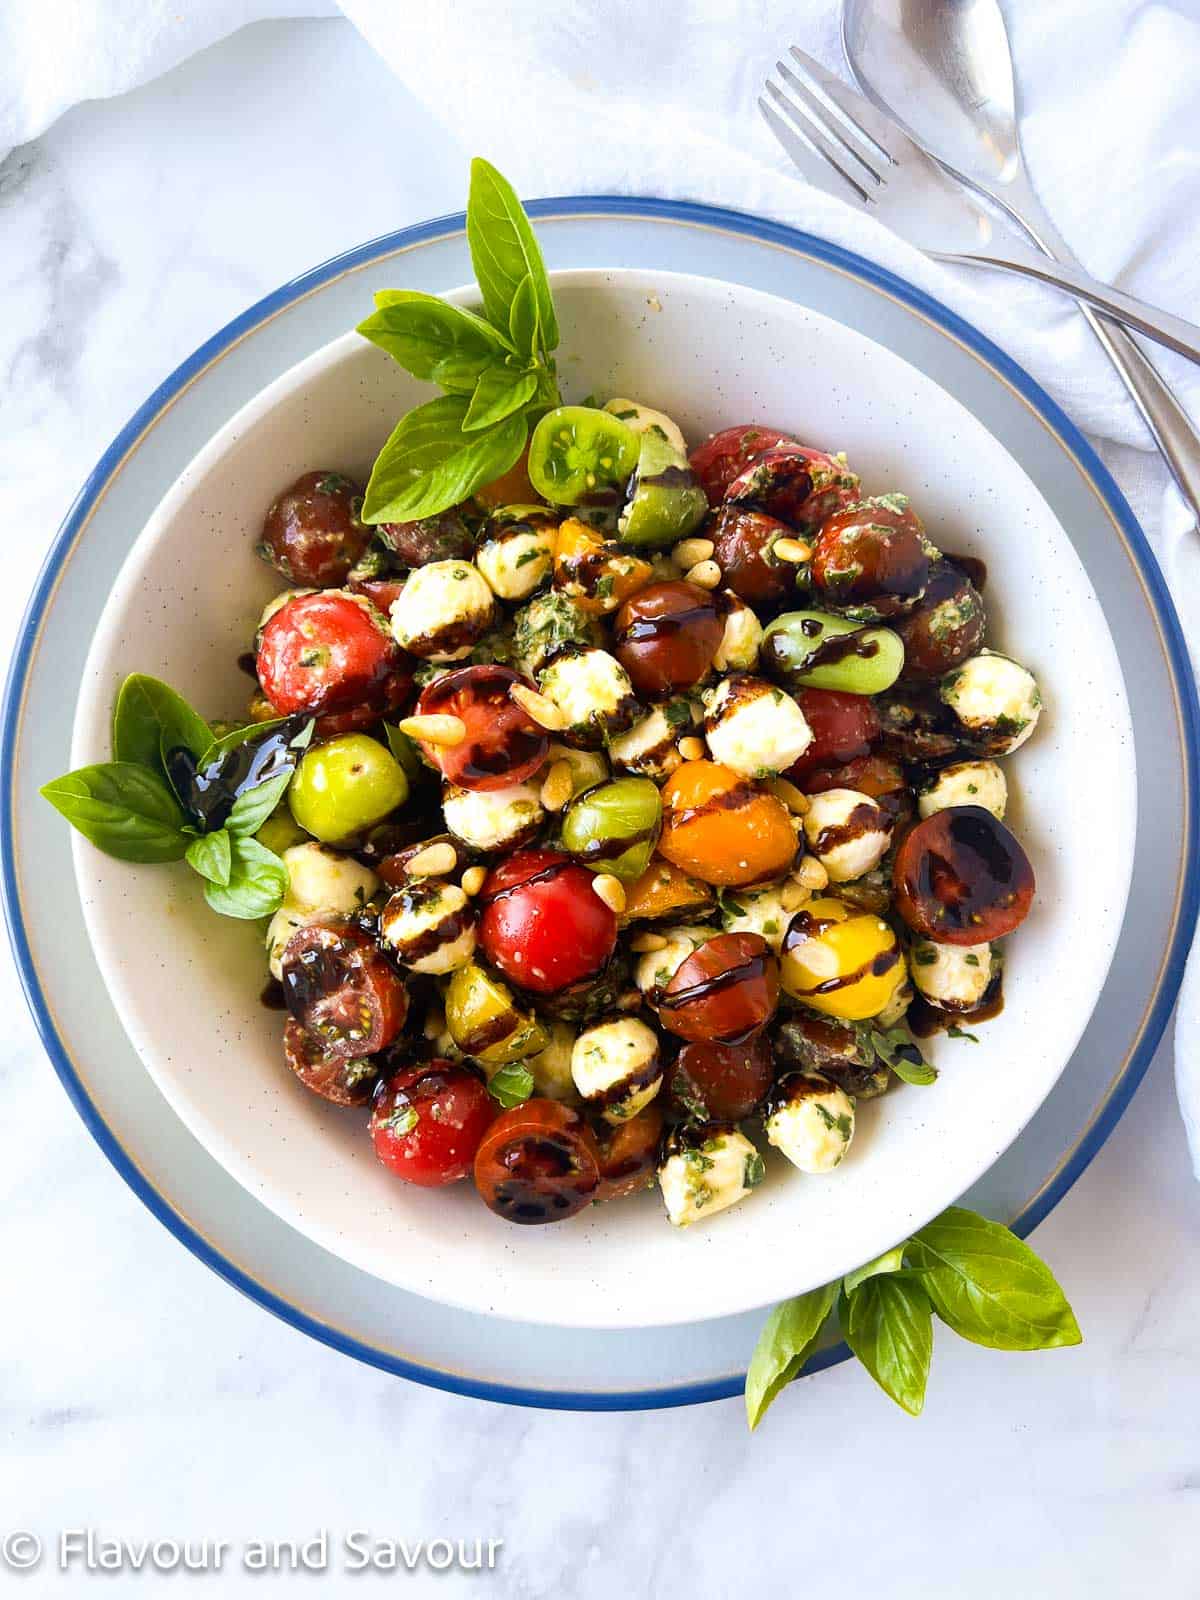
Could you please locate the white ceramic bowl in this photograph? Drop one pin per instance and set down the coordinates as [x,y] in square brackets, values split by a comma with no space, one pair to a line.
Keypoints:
[186,983]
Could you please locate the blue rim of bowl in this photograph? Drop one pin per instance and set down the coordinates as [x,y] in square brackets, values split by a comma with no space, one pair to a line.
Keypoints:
[773,233]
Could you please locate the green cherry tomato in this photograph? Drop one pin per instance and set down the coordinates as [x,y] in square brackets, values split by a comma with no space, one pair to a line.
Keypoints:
[666,503]
[484,1022]
[814,650]
[614,828]
[579,456]
[345,786]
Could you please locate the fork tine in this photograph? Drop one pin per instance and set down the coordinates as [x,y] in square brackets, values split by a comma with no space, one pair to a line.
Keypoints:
[890,140]
[814,168]
[830,125]
[813,132]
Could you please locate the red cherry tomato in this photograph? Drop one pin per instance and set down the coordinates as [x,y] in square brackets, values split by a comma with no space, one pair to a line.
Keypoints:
[330,652]
[879,777]
[667,636]
[538,1162]
[629,1154]
[343,1080]
[381,592]
[427,1122]
[778,482]
[844,727]
[543,925]
[722,1082]
[726,988]
[961,877]
[503,744]
[872,554]
[313,532]
[340,986]
[725,456]
[743,544]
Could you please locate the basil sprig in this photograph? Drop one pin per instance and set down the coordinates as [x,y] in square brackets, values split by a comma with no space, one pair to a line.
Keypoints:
[497,369]
[973,1274]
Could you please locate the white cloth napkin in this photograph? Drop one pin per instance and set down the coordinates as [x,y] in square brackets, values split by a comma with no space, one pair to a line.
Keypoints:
[588,96]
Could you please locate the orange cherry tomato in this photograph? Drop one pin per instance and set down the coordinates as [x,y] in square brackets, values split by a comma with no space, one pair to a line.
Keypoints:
[719,827]
[511,488]
[597,573]
[664,890]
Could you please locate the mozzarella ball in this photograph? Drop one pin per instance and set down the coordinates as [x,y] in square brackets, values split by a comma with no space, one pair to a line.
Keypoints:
[644,419]
[754,727]
[954,977]
[594,694]
[811,1121]
[430,924]
[758,911]
[707,1170]
[650,746]
[616,1068]
[493,819]
[443,610]
[739,646]
[656,968]
[551,1067]
[996,700]
[966,783]
[321,883]
[848,832]
[515,561]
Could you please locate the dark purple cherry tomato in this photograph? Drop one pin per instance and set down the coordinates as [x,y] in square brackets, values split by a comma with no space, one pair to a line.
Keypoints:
[844,727]
[340,1079]
[726,988]
[445,537]
[313,532]
[339,985]
[538,1162]
[962,878]
[667,636]
[743,547]
[945,628]
[722,1082]
[872,556]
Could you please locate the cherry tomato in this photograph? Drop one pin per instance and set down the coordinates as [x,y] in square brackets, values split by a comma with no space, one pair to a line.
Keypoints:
[743,544]
[331,652]
[511,488]
[665,891]
[538,1162]
[339,984]
[961,877]
[503,744]
[667,636]
[427,1122]
[778,483]
[725,456]
[543,925]
[725,989]
[947,626]
[343,1080]
[844,727]
[722,1082]
[381,592]
[313,532]
[879,777]
[595,573]
[579,455]
[718,827]
[873,557]
[445,537]
[629,1154]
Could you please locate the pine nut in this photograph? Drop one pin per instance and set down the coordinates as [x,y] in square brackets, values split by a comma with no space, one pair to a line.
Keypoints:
[538,706]
[783,789]
[435,861]
[558,787]
[435,729]
[793,896]
[611,890]
[472,880]
[691,748]
[705,575]
[810,874]
[688,552]
[646,942]
[792,550]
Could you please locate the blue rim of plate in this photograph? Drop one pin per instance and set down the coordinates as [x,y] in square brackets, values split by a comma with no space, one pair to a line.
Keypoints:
[421,233]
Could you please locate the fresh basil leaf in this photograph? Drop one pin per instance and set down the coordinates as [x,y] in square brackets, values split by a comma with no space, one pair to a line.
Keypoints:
[524,323]
[257,881]
[251,810]
[124,808]
[785,1344]
[888,1324]
[434,340]
[405,752]
[304,738]
[501,390]
[429,464]
[240,736]
[889,1261]
[897,1050]
[989,1286]
[211,856]
[150,718]
[504,251]
[511,1085]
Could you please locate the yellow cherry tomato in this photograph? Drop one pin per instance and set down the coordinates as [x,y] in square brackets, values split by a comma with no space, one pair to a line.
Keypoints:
[840,961]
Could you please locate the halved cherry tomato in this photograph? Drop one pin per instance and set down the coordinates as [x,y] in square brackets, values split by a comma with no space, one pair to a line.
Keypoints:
[962,878]
[338,984]
[873,557]
[428,1120]
[947,626]
[844,727]
[594,572]
[538,1162]
[718,827]
[330,652]
[543,925]
[342,1080]
[743,543]
[725,456]
[725,989]
[313,532]
[581,456]
[665,890]
[503,744]
[629,1154]
[774,482]
[716,1082]
[879,777]
[667,636]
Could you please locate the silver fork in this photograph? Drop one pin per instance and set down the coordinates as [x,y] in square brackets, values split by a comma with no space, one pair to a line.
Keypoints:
[841,143]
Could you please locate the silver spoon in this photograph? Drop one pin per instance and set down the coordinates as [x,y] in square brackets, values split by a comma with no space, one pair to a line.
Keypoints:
[943,70]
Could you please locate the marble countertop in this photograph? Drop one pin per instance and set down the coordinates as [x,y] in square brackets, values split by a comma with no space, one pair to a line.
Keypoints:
[142,1397]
